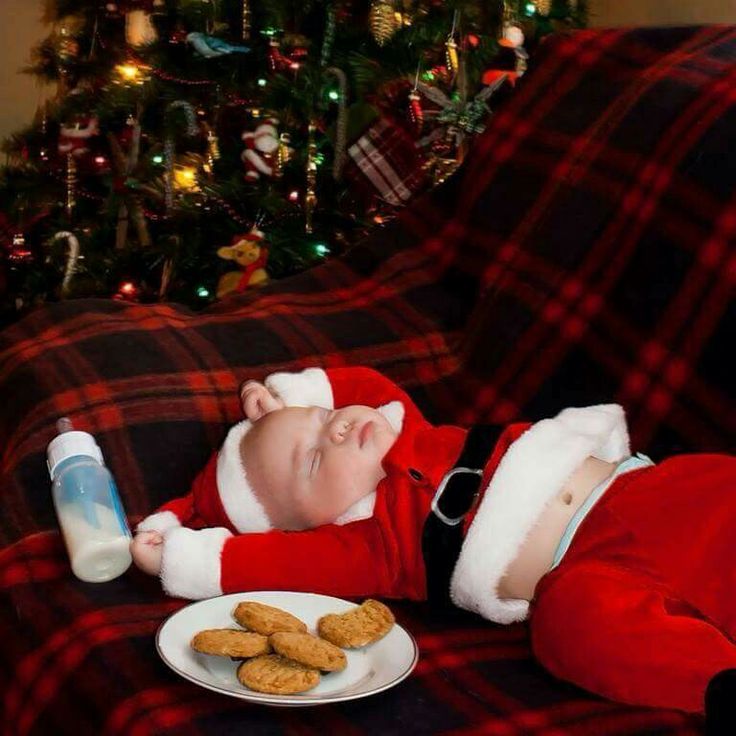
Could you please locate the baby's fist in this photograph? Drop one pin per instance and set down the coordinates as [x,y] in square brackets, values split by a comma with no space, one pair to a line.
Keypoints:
[258,401]
[146,549]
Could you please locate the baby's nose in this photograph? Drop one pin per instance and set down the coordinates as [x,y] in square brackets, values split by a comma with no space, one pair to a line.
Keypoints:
[339,430]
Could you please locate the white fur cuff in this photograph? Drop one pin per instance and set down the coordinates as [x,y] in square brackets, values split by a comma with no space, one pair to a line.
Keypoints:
[160,522]
[311,387]
[190,566]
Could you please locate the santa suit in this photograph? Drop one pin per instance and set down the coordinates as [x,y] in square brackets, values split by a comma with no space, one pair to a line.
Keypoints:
[630,613]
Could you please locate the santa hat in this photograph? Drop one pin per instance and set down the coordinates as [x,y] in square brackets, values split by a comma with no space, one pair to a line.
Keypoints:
[222,495]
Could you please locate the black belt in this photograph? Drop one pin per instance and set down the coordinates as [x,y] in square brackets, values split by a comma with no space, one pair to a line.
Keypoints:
[442,536]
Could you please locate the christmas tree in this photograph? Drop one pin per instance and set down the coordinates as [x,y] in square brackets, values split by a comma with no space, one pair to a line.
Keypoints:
[195,148]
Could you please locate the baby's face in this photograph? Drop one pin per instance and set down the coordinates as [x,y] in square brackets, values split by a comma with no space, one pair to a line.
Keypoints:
[309,465]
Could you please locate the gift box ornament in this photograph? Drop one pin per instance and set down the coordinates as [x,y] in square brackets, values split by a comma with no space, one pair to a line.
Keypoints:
[384,162]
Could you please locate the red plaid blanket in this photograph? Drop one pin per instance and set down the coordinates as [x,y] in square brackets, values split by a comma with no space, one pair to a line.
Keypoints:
[584,253]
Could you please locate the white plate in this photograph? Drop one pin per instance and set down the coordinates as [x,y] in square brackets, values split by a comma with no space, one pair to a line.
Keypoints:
[370,670]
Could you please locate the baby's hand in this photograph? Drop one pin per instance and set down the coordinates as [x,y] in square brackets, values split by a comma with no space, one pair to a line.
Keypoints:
[146,549]
[257,400]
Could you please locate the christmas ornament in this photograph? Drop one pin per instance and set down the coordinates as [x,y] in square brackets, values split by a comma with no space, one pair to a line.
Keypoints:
[543,6]
[211,47]
[513,38]
[285,152]
[71,258]
[246,20]
[74,137]
[19,252]
[261,150]
[130,207]
[67,47]
[250,254]
[384,161]
[459,118]
[382,20]
[416,113]
[71,185]
[310,198]
[170,146]
[342,121]
[279,62]
[276,60]
[213,148]
[451,54]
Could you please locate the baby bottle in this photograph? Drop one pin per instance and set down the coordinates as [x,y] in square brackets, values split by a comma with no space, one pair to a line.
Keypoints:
[88,506]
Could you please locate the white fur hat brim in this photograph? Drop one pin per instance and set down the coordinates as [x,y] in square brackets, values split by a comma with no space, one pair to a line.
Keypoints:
[245,511]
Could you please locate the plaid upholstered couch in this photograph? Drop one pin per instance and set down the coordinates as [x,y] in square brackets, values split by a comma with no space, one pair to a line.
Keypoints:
[584,253]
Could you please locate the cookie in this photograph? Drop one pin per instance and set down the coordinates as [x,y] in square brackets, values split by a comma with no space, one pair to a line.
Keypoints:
[230,643]
[309,650]
[362,625]
[276,675]
[265,619]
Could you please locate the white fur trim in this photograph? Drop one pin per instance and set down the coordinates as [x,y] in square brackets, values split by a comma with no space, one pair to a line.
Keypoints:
[530,473]
[362,509]
[393,412]
[159,522]
[245,511]
[311,387]
[190,564]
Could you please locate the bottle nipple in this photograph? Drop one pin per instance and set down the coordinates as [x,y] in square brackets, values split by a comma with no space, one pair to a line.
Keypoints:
[64,425]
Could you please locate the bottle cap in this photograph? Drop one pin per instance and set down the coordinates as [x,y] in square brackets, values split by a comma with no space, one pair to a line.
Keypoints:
[71,443]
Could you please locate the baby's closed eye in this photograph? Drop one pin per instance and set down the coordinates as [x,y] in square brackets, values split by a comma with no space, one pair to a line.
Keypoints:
[313,460]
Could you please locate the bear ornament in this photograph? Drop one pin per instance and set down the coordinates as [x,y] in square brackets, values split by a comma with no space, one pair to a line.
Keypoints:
[250,255]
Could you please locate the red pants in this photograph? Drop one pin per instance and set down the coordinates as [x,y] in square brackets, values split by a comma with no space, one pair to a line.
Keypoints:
[642,608]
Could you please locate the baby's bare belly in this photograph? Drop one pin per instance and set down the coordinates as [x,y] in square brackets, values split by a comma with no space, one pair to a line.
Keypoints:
[537,552]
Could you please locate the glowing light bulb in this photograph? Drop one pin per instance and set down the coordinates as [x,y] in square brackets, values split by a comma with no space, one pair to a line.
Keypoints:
[129,72]
[185,177]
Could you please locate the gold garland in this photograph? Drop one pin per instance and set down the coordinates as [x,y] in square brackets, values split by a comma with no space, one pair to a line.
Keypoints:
[246,20]
[310,198]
